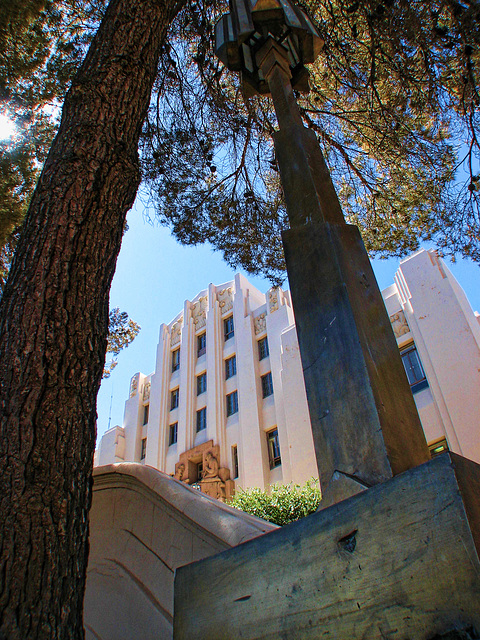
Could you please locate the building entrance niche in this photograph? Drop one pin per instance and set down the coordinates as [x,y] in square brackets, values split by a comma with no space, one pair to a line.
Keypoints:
[195,469]
[200,467]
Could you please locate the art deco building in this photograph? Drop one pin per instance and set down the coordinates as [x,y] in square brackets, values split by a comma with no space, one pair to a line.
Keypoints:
[226,404]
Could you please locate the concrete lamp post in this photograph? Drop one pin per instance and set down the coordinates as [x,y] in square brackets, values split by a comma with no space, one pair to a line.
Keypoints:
[365,424]
[400,560]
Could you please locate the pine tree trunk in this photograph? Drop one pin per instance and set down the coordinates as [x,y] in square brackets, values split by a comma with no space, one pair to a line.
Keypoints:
[53,325]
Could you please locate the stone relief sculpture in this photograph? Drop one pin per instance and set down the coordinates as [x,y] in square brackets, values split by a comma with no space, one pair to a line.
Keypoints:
[211,483]
[133,385]
[179,471]
[199,312]
[176,332]
[146,391]
[213,480]
[260,323]
[221,494]
[225,299]
[399,324]
[210,469]
[273,302]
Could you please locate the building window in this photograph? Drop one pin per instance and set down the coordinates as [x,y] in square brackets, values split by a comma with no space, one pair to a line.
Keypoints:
[263,348]
[201,344]
[413,368]
[230,367]
[267,385]
[228,328]
[273,449]
[201,419]
[172,439]
[232,403]
[146,410]
[176,360]
[174,399]
[144,449]
[235,461]
[201,384]
[438,447]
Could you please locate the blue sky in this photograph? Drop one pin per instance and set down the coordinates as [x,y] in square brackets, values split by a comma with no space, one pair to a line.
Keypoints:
[155,275]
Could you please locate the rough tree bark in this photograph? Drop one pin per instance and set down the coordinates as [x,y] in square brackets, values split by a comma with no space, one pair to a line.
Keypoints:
[54,320]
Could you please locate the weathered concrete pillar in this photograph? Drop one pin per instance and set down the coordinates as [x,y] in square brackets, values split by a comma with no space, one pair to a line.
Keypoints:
[364,420]
[365,424]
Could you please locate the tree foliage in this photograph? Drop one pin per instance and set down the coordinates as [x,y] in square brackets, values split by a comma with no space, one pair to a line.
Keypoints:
[282,504]
[394,101]
[122,331]
[42,42]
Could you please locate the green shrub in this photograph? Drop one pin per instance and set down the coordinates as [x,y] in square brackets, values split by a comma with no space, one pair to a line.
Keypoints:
[282,504]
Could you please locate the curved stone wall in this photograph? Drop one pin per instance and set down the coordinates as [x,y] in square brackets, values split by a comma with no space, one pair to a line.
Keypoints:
[143,525]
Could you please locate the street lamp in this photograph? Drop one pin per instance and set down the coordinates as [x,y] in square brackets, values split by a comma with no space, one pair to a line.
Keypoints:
[364,420]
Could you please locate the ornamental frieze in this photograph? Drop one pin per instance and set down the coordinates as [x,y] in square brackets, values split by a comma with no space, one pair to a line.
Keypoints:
[176,332]
[260,323]
[225,299]
[273,302]
[146,391]
[133,385]
[399,324]
[199,312]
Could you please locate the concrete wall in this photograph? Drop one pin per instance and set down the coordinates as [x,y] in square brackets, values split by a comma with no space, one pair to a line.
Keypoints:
[112,447]
[143,526]
[444,330]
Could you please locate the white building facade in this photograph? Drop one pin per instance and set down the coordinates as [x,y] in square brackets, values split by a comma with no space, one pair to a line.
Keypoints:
[226,405]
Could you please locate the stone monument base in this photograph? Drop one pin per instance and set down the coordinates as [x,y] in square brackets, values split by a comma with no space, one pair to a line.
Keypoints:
[397,561]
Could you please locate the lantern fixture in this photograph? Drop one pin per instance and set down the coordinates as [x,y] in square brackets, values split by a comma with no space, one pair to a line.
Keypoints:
[240,34]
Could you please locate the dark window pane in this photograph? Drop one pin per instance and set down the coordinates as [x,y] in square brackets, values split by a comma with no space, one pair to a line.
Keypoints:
[273,449]
[174,399]
[144,449]
[201,419]
[201,344]
[228,328]
[175,360]
[413,368]
[230,367]
[146,411]
[235,461]
[436,448]
[263,351]
[232,403]
[267,385]
[173,434]
[201,383]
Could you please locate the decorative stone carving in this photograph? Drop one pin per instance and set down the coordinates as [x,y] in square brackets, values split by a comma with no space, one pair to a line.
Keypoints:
[399,324]
[215,488]
[179,470]
[273,302]
[176,332]
[225,299]
[199,312]
[146,392]
[133,385]
[260,323]
[210,469]
[213,480]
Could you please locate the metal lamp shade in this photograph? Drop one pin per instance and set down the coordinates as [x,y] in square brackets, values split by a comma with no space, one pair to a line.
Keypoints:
[242,32]
[226,44]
